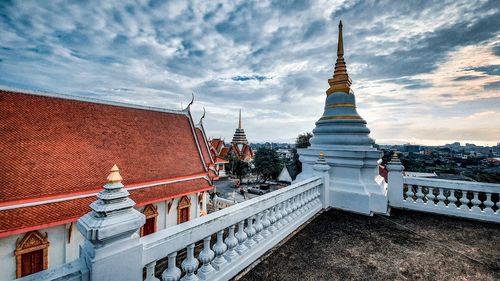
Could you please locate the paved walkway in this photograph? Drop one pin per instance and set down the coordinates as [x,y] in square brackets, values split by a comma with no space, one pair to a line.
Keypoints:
[338,245]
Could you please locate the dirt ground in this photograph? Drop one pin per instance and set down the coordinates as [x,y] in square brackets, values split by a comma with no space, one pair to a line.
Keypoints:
[404,246]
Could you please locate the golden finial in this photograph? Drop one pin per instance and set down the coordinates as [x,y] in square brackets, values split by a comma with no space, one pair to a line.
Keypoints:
[340,81]
[395,154]
[114,176]
[321,154]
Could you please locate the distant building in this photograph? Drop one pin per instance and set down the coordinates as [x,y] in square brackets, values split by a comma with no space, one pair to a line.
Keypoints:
[239,145]
[219,151]
[411,148]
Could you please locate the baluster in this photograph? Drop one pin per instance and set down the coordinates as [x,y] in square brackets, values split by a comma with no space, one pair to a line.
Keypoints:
[150,272]
[476,202]
[308,199]
[441,198]
[172,273]
[189,265]
[297,210]
[241,236]
[293,208]
[231,243]
[250,230]
[258,227]
[272,220]
[266,223]
[304,201]
[219,249]
[420,194]
[279,216]
[453,199]
[301,203]
[488,204]
[289,210]
[317,196]
[430,196]
[206,256]
[284,213]
[464,200]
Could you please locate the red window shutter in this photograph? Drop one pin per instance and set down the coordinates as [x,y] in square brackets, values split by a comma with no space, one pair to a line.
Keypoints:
[149,226]
[31,262]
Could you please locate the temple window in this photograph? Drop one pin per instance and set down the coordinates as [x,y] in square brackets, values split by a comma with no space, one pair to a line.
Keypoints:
[31,254]
[183,209]
[151,213]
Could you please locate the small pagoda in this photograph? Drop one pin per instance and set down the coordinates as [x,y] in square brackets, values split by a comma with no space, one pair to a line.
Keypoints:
[239,145]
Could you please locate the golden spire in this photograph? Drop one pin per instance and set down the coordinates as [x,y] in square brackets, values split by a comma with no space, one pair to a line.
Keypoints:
[340,81]
[114,176]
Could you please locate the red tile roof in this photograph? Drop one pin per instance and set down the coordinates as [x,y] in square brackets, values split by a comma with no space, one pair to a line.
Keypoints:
[246,153]
[204,146]
[20,220]
[224,151]
[53,146]
[217,144]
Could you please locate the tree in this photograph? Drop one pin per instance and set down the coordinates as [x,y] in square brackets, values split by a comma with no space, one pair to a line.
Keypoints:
[238,167]
[267,163]
[302,141]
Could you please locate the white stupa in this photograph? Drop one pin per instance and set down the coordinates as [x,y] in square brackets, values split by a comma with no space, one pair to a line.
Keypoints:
[348,149]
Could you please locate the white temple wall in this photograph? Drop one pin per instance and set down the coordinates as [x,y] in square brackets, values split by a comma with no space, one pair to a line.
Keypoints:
[7,258]
[60,251]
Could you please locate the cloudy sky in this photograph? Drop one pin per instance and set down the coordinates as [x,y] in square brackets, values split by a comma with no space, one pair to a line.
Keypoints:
[424,72]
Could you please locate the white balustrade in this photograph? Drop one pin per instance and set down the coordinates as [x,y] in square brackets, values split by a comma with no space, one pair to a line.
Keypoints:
[457,198]
[262,223]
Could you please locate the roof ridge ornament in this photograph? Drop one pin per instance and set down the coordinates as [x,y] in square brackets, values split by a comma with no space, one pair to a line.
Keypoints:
[188,107]
[340,82]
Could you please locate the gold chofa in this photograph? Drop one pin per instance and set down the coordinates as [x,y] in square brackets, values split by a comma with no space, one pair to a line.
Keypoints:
[340,81]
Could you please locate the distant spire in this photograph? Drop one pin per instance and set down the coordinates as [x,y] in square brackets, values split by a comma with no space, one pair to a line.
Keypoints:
[239,123]
[340,81]
[239,134]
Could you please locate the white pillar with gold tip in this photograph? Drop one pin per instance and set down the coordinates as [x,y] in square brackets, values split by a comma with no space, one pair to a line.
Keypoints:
[111,249]
[348,149]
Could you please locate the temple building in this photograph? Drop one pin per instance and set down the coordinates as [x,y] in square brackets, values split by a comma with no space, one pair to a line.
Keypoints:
[239,145]
[219,152]
[342,137]
[56,153]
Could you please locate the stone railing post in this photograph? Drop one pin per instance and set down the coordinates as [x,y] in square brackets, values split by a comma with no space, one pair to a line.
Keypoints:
[395,182]
[111,249]
[320,168]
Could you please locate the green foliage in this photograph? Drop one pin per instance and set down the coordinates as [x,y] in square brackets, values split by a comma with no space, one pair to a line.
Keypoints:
[302,141]
[267,163]
[238,167]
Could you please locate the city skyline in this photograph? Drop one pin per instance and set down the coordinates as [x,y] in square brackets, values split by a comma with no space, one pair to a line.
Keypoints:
[424,73]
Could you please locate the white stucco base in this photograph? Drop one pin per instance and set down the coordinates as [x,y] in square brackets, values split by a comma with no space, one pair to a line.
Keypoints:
[353,172]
